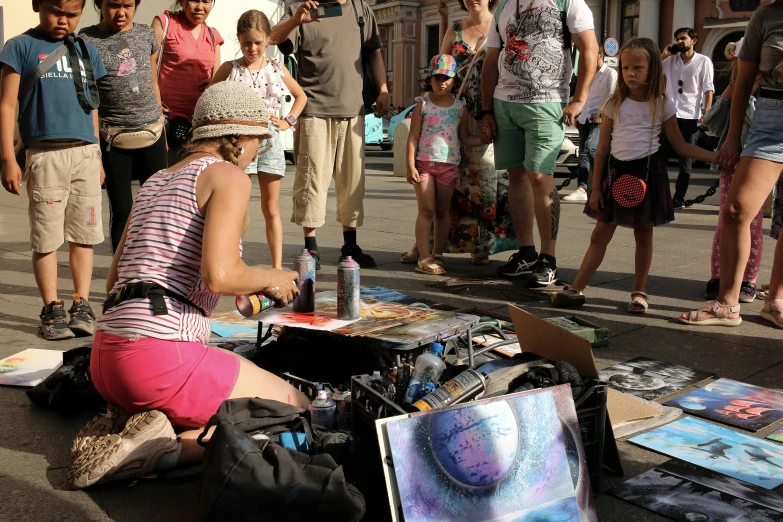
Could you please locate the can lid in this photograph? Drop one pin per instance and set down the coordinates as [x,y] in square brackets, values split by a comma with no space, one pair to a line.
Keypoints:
[376,376]
[348,262]
[436,348]
[322,395]
[305,253]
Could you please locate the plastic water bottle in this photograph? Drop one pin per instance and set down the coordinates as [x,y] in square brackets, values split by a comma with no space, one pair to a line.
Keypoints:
[323,411]
[427,370]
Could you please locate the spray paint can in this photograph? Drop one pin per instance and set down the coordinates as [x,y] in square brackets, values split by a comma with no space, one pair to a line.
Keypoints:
[348,288]
[466,386]
[250,305]
[323,411]
[343,400]
[304,265]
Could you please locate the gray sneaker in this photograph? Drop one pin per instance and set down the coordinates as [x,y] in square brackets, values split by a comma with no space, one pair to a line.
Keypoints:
[133,453]
[100,426]
[53,326]
[82,321]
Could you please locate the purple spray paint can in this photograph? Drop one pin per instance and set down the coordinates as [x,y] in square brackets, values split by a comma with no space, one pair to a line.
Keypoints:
[304,265]
[348,303]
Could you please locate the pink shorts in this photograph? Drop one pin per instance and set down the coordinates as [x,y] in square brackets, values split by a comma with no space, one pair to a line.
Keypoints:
[185,380]
[444,173]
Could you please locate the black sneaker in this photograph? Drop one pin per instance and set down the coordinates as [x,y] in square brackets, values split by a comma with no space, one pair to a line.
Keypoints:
[713,286]
[678,203]
[544,274]
[364,260]
[82,321]
[517,266]
[53,326]
[317,258]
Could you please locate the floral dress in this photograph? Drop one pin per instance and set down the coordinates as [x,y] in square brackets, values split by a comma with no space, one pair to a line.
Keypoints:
[480,218]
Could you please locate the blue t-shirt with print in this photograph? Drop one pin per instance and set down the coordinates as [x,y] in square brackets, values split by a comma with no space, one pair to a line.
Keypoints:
[51,111]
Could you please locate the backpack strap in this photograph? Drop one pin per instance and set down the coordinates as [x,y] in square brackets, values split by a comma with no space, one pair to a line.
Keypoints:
[498,10]
[32,78]
[163,40]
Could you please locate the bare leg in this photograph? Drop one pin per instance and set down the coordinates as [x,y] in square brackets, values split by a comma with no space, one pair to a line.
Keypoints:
[270,206]
[752,182]
[425,197]
[80,258]
[776,280]
[309,232]
[45,270]
[252,382]
[602,235]
[547,209]
[442,217]
[643,260]
[520,203]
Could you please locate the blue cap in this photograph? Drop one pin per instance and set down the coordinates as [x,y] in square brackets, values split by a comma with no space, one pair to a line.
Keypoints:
[436,348]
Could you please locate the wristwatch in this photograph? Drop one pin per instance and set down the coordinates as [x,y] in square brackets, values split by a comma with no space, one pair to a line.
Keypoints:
[486,112]
[291,119]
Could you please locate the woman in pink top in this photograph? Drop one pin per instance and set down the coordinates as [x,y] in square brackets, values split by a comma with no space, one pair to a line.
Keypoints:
[190,56]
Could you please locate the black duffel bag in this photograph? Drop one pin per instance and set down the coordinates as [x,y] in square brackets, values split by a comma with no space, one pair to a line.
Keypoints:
[245,479]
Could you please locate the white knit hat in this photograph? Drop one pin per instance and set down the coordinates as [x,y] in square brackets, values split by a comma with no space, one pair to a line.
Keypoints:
[230,109]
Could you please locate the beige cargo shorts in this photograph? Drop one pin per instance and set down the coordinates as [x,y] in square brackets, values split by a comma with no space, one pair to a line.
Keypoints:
[64,188]
[329,148]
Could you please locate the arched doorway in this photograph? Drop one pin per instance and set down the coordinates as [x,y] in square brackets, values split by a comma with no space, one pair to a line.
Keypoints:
[715,51]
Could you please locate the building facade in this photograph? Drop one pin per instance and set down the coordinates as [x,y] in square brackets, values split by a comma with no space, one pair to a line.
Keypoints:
[411,33]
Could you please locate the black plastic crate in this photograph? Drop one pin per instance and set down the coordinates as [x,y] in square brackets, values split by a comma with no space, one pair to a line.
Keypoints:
[367,406]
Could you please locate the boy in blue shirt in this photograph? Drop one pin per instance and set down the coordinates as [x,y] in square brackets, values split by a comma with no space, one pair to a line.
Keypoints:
[58,124]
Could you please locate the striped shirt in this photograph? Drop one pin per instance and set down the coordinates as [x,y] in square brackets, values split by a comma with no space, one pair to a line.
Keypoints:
[163,246]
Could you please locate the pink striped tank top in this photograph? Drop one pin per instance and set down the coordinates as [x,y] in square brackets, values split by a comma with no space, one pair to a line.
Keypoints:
[163,246]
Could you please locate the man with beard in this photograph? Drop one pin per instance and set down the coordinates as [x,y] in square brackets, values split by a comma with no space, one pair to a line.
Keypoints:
[689,76]
[525,88]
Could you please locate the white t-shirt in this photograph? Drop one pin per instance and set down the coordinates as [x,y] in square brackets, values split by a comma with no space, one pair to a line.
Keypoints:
[631,135]
[696,77]
[603,87]
[540,70]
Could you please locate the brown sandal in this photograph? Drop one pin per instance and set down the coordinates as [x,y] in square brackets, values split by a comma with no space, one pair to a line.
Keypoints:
[770,306]
[430,266]
[410,257]
[722,315]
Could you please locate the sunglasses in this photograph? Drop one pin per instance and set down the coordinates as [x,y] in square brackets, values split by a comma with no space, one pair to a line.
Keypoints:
[679,82]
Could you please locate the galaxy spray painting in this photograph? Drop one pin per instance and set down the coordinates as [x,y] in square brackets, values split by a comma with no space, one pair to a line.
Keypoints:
[505,459]
[720,449]
[686,493]
[734,403]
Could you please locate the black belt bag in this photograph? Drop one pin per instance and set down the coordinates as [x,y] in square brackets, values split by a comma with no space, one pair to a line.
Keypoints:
[151,291]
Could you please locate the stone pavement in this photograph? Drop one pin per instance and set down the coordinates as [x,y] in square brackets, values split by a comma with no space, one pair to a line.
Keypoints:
[35,443]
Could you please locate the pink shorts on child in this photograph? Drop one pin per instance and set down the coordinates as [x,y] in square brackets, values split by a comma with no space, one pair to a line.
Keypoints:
[185,380]
[444,173]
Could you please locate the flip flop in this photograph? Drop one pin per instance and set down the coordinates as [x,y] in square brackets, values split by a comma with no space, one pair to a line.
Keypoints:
[638,303]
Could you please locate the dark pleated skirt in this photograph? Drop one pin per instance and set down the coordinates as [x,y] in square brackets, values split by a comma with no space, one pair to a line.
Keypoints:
[657,207]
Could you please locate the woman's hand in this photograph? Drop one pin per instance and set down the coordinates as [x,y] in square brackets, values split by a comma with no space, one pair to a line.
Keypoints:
[282,286]
[413,175]
[165,108]
[596,201]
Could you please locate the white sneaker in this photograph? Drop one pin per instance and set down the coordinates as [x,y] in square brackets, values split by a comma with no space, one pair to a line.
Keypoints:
[579,194]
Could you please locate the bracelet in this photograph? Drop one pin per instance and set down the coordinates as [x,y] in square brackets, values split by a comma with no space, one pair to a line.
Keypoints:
[487,112]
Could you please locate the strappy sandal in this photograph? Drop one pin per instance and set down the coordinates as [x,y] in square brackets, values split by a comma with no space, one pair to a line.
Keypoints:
[771,306]
[429,266]
[637,306]
[566,298]
[410,257]
[724,315]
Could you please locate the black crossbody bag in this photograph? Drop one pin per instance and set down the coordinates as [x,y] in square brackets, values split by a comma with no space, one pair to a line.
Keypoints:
[370,90]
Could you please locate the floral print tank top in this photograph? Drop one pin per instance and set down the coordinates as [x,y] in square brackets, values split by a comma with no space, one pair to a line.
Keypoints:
[439,139]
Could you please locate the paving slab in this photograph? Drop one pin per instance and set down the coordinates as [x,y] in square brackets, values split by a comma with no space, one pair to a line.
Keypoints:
[35,443]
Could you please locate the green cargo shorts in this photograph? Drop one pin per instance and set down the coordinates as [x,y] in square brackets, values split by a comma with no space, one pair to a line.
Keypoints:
[529,135]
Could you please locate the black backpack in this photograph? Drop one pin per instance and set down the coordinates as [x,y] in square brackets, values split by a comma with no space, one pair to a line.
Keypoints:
[69,388]
[244,479]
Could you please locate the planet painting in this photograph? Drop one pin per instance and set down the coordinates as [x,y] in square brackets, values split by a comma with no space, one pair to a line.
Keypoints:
[498,459]
[476,446]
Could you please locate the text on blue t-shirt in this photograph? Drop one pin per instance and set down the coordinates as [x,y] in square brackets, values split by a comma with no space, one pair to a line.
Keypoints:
[51,111]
